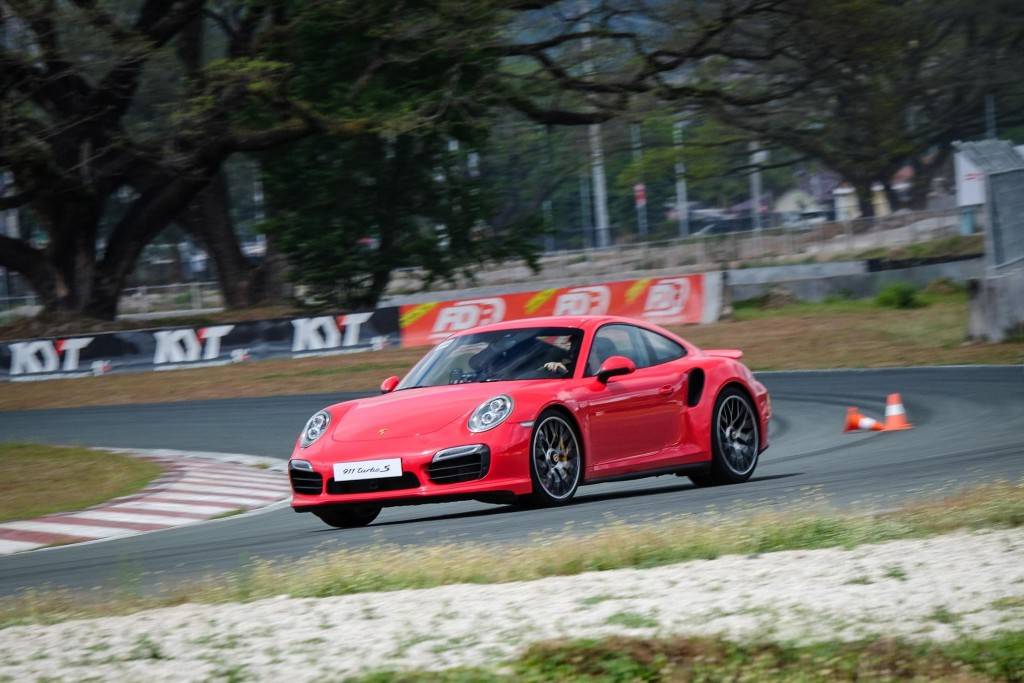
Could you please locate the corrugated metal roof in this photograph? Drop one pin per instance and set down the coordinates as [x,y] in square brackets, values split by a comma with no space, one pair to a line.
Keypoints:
[992,156]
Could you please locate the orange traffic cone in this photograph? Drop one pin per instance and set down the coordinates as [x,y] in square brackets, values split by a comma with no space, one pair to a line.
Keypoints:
[895,414]
[855,422]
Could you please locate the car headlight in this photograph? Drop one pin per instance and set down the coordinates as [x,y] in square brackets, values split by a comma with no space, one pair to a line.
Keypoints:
[490,414]
[315,428]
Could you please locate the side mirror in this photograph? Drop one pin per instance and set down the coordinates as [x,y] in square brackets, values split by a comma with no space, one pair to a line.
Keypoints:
[388,385]
[614,366]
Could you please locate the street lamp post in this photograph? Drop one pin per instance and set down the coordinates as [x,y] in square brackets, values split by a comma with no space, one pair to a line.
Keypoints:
[602,236]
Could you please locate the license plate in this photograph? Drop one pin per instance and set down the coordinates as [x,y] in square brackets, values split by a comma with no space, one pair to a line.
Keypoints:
[368,469]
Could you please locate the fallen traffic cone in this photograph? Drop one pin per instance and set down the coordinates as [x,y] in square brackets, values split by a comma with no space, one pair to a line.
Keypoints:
[855,422]
[895,414]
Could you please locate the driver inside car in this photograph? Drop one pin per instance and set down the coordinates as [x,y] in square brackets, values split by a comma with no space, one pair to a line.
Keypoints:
[561,364]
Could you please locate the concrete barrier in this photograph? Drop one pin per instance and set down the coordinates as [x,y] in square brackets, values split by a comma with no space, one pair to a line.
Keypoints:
[997,307]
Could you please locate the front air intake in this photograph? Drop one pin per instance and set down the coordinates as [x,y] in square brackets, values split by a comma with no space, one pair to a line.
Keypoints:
[406,481]
[464,463]
[309,483]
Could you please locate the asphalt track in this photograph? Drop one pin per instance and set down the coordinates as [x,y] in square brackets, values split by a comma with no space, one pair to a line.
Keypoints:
[969,428]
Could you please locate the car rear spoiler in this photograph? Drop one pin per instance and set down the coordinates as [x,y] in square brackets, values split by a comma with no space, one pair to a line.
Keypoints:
[735,354]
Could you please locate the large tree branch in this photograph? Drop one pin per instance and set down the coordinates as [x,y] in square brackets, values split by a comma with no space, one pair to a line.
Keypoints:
[259,140]
[559,117]
[115,92]
[522,49]
[21,257]
[15,201]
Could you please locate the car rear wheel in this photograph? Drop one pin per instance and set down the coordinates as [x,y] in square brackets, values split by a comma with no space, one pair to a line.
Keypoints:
[556,460]
[735,440]
[348,516]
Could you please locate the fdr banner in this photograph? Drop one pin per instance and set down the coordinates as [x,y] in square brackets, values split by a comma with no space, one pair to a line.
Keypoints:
[180,348]
[677,300]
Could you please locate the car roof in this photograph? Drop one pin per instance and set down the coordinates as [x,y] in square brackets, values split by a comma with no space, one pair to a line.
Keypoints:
[577,321]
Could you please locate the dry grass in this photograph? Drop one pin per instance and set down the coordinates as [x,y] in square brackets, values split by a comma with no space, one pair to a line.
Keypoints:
[615,546]
[838,334]
[38,480]
[347,372]
[854,334]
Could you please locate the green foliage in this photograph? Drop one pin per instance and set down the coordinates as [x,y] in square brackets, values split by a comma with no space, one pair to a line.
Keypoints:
[681,659]
[632,620]
[348,212]
[899,295]
[715,156]
[351,205]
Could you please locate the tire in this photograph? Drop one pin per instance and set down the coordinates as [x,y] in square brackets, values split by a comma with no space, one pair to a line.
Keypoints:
[348,516]
[735,440]
[556,460]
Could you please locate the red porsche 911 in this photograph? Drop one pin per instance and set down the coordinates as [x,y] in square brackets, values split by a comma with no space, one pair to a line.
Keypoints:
[526,412]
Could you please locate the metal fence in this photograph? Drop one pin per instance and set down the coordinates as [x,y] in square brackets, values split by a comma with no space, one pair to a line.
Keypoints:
[137,302]
[820,242]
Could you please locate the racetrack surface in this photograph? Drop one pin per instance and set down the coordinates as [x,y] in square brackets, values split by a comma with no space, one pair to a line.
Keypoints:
[969,428]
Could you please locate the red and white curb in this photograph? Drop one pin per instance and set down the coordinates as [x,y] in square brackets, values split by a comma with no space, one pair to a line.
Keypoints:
[193,488]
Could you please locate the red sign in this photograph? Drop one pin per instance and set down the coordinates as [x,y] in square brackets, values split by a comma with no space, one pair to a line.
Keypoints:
[665,301]
[640,195]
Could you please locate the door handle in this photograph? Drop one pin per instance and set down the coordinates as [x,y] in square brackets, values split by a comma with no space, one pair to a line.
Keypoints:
[665,390]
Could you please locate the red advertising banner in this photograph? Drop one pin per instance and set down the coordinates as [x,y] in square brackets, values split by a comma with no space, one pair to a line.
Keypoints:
[666,301]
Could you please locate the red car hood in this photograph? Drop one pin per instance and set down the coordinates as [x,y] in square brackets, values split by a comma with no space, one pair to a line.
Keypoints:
[410,412]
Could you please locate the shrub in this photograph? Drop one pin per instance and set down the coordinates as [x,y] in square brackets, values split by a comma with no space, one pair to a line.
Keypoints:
[899,295]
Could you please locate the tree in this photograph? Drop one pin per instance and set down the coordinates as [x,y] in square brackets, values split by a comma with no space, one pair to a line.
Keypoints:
[348,213]
[72,136]
[889,83]
[76,130]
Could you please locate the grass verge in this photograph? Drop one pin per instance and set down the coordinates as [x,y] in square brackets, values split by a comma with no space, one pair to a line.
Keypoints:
[677,539]
[75,478]
[837,333]
[675,660]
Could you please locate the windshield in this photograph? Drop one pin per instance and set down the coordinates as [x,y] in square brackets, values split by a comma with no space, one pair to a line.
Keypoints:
[528,353]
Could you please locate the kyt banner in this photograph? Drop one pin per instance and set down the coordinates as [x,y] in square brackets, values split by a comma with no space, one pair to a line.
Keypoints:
[676,300]
[667,300]
[177,348]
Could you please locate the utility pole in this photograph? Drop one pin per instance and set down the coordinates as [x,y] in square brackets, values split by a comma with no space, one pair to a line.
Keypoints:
[990,116]
[682,203]
[639,189]
[586,212]
[549,213]
[757,157]
[602,232]
[600,190]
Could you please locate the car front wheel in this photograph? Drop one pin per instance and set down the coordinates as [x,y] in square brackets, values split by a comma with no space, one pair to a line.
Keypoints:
[556,460]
